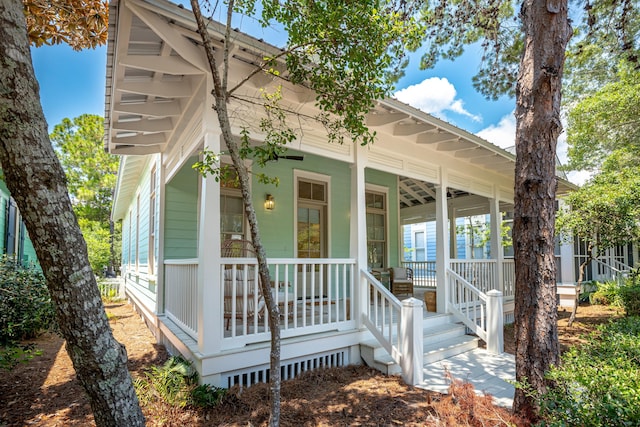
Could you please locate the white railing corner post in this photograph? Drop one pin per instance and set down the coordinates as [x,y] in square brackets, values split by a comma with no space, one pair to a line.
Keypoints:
[411,337]
[495,322]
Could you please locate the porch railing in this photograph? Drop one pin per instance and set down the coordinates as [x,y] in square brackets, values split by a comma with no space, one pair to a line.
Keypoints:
[605,271]
[382,316]
[481,273]
[397,326]
[508,278]
[181,290]
[424,273]
[468,303]
[313,295]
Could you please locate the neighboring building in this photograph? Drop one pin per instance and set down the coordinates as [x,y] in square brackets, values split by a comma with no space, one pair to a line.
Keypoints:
[14,239]
[331,229]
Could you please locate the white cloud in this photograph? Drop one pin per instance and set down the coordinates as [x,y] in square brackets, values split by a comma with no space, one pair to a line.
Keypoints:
[503,134]
[434,96]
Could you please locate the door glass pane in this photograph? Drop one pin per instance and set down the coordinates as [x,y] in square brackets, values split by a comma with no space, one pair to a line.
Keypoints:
[309,233]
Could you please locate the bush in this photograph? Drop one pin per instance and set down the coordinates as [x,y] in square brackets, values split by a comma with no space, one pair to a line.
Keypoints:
[176,382]
[597,384]
[630,296]
[607,293]
[25,306]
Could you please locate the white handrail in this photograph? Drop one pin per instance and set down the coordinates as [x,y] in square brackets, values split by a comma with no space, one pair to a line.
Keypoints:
[424,273]
[467,303]
[383,316]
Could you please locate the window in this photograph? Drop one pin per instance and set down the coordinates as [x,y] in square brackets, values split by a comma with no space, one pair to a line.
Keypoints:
[232,221]
[420,246]
[376,229]
[152,221]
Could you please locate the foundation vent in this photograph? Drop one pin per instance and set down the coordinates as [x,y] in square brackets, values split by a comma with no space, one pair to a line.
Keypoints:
[289,369]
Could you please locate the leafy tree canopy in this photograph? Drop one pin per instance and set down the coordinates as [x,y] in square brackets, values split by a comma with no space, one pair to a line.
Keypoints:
[91,172]
[605,122]
[79,23]
[606,40]
[605,32]
[607,206]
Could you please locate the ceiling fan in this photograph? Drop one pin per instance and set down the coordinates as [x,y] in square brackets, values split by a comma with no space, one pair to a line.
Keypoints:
[276,157]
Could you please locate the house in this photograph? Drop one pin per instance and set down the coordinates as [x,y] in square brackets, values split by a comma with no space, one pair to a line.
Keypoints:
[14,239]
[332,228]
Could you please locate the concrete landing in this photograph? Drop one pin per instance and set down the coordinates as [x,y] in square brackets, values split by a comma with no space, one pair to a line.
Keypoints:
[487,372]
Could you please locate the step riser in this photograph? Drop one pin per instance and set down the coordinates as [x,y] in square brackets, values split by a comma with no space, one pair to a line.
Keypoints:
[436,356]
[429,338]
[445,335]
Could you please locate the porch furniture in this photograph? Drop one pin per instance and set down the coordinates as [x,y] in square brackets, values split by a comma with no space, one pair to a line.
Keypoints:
[383,275]
[401,281]
[245,302]
[430,300]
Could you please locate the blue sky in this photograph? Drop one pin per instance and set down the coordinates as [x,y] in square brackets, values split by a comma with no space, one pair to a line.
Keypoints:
[72,83]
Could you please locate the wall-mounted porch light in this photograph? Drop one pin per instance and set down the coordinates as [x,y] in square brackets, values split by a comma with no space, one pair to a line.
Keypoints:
[269,203]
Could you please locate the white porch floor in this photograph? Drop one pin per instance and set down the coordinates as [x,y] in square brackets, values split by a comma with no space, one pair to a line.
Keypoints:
[488,373]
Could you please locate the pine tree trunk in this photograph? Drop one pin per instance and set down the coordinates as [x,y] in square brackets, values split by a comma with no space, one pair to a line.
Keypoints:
[546,33]
[37,183]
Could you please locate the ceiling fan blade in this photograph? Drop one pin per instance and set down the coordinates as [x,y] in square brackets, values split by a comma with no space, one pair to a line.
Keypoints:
[299,158]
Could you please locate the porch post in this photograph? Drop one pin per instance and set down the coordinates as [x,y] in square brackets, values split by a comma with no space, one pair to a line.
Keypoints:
[161,189]
[209,296]
[411,336]
[442,246]
[495,322]
[358,229]
[453,234]
[496,241]
[567,262]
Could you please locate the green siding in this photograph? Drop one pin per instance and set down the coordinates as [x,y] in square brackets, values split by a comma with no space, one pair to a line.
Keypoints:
[276,226]
[181,214]
[389,181]
[29,252]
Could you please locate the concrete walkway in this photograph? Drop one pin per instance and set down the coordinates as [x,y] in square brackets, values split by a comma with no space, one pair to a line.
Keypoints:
[487,372]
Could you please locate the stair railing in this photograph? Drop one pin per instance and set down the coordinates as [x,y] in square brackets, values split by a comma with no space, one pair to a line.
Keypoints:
[615,273]
[397,326]
[382,316]
[481,312]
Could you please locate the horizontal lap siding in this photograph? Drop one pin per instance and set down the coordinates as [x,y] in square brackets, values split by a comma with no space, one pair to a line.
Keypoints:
[181,215]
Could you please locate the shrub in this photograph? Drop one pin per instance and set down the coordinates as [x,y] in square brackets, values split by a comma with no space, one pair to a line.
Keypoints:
[630,296]
[25,306]
[176,382]
[597,384]
[607,293]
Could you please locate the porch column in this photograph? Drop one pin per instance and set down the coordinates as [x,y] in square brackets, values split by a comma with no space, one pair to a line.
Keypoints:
[162,175]
[496,241]
[567,262]
[209,296]
[442,246]
[358,229]
[453,234]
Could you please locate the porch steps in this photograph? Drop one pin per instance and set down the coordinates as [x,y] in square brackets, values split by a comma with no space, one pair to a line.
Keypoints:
[442,339]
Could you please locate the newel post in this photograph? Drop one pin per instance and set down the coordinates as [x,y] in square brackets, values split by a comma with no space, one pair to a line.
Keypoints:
[411,337]
[495,322]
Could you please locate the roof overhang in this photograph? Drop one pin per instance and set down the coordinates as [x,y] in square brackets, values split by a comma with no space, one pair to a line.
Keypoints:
[157,76]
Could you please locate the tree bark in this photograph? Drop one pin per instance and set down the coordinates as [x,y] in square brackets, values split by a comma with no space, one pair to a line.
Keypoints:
[546,33]
[36,180]
[220,94]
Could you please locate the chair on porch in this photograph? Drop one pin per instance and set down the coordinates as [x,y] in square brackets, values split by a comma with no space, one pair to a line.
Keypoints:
[401,280]
[245,302]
